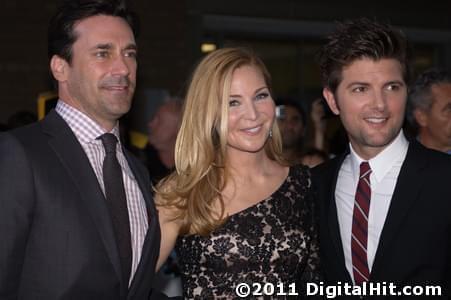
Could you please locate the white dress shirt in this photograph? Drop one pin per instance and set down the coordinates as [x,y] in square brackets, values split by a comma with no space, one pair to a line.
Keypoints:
[385,170]
[87,132]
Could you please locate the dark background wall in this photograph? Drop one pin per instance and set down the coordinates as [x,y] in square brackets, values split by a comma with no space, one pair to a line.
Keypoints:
[172,31]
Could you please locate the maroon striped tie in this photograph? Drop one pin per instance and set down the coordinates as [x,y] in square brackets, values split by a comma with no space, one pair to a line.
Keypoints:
[360,226]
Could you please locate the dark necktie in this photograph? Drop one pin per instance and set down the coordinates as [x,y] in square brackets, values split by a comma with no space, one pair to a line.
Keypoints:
[117,202]
[359,239]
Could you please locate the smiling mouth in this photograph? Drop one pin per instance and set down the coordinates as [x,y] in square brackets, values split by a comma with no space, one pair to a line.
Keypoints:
[253,130]
[376,120]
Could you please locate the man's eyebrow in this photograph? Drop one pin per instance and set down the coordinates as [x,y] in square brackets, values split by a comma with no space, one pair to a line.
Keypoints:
[362,83]
[104,46]
[357,83]
[400,82]
[131,47]
[107,46]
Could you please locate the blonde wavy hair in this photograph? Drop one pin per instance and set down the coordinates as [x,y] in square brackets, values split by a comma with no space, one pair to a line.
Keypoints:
[200,150]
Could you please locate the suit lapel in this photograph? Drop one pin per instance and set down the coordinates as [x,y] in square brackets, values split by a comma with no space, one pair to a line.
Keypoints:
[404,196]
[152,239]
[76,163]
[334,226]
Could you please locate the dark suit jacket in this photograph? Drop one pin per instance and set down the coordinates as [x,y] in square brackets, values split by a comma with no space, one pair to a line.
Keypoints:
[415,243]
[56,235]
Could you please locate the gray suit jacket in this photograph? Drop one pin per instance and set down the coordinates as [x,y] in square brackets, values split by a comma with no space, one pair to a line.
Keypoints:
[56,235]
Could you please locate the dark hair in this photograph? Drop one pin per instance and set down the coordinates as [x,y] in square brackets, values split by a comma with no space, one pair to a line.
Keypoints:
[61,35]
[420,94]
[357,39]
[288,101]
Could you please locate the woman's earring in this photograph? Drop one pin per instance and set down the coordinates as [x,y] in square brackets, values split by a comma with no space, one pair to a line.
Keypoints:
[270,133]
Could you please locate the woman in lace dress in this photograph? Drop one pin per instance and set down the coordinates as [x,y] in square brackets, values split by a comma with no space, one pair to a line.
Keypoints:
[233,209]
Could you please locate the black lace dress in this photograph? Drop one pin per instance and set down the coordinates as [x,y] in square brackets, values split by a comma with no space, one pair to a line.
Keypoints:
[273,241]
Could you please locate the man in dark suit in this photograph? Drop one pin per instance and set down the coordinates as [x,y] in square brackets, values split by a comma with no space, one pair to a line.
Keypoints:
[77,220]
[384,205]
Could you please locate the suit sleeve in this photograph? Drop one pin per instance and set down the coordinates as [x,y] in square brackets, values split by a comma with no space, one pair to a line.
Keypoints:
[156,295]
[312,272]
[16,203]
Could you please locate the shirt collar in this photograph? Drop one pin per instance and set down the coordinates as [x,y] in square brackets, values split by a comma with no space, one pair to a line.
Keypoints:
[383,162]
[85,129]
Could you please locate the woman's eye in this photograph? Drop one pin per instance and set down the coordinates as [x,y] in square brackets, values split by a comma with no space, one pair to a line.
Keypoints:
[262,96]
[234,102]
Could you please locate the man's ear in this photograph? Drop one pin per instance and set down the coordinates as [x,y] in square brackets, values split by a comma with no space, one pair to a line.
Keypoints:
[331,101]
[420,117]
[59,68]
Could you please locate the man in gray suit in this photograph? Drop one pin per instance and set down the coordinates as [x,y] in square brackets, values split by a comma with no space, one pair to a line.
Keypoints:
[77,220]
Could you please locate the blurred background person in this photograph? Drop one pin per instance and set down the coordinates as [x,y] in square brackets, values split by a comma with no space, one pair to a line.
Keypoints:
[291,119]
[162,134]
[301,133]
[318,121]
[233,209]
[429,109]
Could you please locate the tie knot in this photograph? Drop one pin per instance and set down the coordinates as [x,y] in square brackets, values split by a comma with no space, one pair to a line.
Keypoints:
[109,142]
[365,169]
